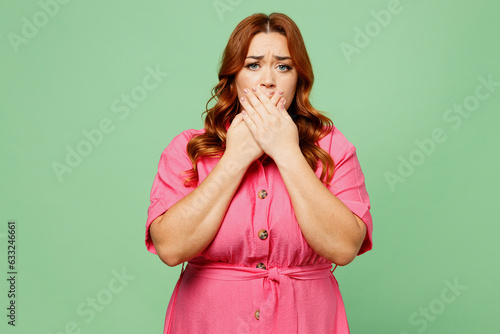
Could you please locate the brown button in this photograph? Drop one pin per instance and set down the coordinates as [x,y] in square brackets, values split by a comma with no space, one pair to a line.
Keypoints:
[263,234]
[257,314]
[261,266]
[262,194]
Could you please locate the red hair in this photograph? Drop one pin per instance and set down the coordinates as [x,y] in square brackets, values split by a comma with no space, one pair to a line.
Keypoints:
[312,124]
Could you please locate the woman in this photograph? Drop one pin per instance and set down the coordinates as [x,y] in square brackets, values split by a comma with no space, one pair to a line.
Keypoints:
[262,200]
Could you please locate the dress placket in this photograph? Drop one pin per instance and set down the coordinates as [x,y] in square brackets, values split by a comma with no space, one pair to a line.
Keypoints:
[261,226]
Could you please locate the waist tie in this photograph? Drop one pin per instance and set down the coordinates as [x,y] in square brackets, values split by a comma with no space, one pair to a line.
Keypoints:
[277,312]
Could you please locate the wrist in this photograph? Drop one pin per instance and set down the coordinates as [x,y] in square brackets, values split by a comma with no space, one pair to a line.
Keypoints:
[232,165]
[289,157]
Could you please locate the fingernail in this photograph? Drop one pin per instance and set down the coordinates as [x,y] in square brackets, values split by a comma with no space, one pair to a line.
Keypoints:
[271,92]
[242,99]
[280,92]
[254,89]
[245,91]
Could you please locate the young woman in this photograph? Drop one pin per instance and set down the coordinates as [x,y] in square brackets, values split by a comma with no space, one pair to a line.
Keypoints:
[262,200]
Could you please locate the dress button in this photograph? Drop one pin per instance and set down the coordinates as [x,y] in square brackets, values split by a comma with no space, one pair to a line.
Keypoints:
[257,314]
[261,266]
[262,194]
[263,234]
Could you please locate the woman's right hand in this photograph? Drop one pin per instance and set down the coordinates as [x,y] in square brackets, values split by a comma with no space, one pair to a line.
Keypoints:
[240,143]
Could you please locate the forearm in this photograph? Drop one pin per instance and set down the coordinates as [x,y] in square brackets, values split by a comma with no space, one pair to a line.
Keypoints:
[189,226]
[328,225]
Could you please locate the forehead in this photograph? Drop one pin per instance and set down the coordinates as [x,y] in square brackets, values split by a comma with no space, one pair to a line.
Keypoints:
[268,43]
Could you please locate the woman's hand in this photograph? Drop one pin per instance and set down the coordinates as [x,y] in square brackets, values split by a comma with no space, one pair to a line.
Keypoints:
[240,143]
[271,126]
[241,147]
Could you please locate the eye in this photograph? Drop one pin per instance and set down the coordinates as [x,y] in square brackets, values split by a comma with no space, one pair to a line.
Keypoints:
[285,67]
[281,67]
[251,66]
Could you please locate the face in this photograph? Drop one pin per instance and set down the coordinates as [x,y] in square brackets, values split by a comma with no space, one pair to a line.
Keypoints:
[267,67]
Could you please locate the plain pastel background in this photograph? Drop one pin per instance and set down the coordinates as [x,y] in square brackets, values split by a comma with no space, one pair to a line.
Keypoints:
[437,225]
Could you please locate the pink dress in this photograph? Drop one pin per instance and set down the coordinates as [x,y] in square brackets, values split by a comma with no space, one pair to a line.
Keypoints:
[259,275]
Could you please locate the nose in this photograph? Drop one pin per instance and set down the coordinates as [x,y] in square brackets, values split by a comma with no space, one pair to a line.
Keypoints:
[267,80]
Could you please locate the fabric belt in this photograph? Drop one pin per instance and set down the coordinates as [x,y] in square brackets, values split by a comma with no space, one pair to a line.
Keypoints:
[277,311]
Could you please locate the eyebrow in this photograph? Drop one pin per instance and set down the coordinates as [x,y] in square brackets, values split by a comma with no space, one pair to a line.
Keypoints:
[277,57]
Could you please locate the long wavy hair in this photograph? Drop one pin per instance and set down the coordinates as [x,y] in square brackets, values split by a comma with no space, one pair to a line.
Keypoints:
[312,124]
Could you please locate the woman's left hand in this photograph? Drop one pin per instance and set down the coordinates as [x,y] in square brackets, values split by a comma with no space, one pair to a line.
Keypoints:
[271,126]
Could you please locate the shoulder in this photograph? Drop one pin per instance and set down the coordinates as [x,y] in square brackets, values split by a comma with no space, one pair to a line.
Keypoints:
[335,142]
[180,140]
[176,149]
[186,135]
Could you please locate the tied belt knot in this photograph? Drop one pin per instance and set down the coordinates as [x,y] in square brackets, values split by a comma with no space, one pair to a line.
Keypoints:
[274,274]
[276,311]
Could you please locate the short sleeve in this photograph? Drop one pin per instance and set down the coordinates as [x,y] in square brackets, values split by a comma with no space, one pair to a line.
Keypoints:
[348,183]
[168,185]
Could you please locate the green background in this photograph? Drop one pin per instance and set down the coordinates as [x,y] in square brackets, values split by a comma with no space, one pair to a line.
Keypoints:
[436,225]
